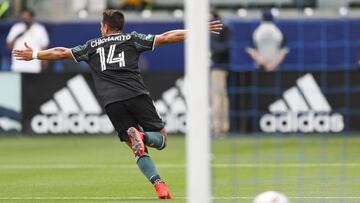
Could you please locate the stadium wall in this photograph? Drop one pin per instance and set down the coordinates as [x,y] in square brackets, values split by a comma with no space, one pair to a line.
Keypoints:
[326,49]
[73,34]
[316,44]
[66,103]
[331,44]
[281,102]
[295,102]
[10,103]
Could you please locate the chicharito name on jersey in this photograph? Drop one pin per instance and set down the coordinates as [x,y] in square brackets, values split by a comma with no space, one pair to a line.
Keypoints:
[113,38]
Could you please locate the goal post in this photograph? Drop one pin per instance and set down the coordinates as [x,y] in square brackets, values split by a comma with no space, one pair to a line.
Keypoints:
[198,140]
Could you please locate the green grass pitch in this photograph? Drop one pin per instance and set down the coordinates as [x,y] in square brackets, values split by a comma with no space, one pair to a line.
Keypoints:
[101,169]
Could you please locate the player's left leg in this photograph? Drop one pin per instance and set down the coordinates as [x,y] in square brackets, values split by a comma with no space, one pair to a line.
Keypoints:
[146,165]
[143,110]
[123,122]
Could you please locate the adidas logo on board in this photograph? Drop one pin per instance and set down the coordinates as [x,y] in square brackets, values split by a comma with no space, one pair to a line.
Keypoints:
[303,108]
[73,109]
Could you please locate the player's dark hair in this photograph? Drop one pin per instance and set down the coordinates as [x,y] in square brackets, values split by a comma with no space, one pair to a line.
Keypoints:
[114,19]
[28,10]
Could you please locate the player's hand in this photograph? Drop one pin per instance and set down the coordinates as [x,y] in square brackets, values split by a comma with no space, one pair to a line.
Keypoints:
[23,54]
[215,27]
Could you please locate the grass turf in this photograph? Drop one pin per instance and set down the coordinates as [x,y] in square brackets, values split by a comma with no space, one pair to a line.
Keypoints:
[101,169]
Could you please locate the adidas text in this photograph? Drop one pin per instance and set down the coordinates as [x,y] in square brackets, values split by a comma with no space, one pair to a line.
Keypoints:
[310,122]
[71,123]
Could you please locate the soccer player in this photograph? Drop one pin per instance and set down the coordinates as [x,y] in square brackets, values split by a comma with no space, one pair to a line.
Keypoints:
[113,59]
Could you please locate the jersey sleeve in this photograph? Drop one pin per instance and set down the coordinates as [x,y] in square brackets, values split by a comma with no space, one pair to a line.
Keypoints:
[80,53]
[143,42]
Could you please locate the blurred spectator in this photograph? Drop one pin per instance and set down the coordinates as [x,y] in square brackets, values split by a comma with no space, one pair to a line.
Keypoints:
[31,32]
[220,57]
[268,44]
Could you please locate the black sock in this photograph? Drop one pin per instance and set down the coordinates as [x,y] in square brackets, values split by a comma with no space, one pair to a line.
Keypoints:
[155,179]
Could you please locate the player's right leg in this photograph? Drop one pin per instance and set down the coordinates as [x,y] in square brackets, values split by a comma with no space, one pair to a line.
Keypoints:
[155,139]
[137,141]
[146,115]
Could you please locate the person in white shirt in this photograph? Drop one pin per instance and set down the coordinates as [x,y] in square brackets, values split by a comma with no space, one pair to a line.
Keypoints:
[31,32]
[268,44]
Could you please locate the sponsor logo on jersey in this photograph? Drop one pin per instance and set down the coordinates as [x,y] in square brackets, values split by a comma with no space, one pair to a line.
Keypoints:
[303,108]
[73,109]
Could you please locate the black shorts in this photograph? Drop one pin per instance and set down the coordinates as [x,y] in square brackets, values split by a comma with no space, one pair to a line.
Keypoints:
[136,112]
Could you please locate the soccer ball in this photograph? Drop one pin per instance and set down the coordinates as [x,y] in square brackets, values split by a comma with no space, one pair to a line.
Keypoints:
[271,197]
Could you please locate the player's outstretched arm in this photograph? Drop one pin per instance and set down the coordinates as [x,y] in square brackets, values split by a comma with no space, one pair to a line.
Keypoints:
[27,54]
[174,36]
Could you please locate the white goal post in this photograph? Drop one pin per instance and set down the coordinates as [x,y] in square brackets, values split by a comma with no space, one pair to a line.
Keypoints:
[198,140]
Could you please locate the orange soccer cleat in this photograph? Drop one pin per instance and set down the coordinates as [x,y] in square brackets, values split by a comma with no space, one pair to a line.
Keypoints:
[137,143]
[162,191]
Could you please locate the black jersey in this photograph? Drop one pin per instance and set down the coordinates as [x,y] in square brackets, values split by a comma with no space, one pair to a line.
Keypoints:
[114,63]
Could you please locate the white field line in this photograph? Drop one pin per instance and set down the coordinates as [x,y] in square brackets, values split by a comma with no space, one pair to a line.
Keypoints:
[175,166]
[147,198]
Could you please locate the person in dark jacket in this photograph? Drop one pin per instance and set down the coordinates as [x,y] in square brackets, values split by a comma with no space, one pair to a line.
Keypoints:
[220,57]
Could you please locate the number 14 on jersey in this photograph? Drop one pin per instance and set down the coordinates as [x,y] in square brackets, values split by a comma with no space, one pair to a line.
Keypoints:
[110,58]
